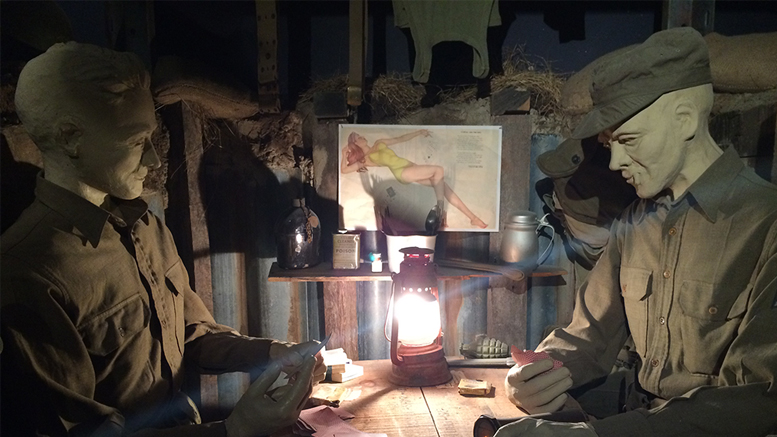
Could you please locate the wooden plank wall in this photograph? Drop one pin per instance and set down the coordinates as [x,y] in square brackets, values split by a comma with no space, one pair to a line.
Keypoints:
[339,298]
[507,299]
[187,222]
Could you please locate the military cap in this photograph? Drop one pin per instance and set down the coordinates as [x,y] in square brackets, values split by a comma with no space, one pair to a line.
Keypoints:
[625,84]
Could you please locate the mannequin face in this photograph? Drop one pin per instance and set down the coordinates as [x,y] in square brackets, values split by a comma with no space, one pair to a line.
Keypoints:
[648,150]
[114,147]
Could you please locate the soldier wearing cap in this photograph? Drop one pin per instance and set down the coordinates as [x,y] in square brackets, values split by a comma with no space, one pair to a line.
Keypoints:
[690,269]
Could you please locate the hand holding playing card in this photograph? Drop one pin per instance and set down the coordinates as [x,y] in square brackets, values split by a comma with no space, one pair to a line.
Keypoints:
[537,383]
[523,357]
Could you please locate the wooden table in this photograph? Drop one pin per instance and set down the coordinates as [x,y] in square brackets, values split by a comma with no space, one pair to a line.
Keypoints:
[437,411]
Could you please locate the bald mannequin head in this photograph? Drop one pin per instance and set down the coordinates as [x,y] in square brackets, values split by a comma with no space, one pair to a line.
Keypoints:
[90,112]
[667,145]
[62,84]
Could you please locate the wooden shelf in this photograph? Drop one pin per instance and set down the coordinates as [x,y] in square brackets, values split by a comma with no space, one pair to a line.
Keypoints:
[325,273]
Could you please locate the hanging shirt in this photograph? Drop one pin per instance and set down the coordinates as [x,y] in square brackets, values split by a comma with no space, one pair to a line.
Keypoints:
[431,22]
[694,281]
[99,320]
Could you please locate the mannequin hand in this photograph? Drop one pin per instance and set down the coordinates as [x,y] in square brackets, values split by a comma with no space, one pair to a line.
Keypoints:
[531,427]
[258,414]
[538,393]
[425,132]
[292,355]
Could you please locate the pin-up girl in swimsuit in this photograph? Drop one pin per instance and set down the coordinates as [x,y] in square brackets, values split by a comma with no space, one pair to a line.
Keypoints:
[358,155]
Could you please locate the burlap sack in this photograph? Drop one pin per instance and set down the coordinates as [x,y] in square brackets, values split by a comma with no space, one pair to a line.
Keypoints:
[575,94]
[220,95]
[743,63]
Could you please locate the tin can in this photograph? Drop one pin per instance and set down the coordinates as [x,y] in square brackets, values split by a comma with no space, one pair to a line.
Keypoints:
[345,251]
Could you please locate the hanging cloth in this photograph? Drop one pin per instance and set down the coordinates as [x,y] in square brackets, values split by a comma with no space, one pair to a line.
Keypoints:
[431,22]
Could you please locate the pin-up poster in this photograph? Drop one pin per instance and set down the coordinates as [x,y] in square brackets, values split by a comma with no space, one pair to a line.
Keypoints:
[419,179]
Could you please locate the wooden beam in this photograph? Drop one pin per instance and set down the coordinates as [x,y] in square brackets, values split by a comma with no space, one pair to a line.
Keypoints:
[357,43]
[699,14]
[186,217]
[507,311]
[451,302]
[267,53]
[340,319]
[516,168]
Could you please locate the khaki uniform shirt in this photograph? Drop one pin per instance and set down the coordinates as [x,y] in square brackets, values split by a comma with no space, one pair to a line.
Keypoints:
[98,321]
[694,282]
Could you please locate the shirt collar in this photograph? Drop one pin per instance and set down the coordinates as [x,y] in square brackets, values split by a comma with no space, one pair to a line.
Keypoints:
[712,187]
[85,216]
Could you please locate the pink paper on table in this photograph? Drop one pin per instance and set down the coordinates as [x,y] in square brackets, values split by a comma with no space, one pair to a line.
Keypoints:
[359,434]
[328,422]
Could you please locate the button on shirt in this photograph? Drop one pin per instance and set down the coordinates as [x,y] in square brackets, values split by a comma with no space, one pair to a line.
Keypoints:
[694,282]
[97,317]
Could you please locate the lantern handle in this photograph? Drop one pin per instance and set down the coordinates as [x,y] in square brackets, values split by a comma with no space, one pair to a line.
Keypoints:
[394,330]
[389,311]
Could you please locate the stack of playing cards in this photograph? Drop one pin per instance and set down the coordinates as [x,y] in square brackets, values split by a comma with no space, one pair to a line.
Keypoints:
[340,368]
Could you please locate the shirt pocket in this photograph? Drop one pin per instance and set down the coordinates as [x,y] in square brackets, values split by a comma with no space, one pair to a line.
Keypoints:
[177,280]
[635,290]
[107,331]
[708,325]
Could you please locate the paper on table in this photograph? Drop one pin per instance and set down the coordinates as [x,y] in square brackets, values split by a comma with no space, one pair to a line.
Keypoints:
[336,392]
[339,412]
[328,422]
[358,434]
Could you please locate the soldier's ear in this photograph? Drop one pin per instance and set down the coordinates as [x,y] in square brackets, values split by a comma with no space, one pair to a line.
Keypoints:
[68,137]
[687,118]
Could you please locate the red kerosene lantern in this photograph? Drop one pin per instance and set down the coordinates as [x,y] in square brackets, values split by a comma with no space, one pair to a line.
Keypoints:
[417,356]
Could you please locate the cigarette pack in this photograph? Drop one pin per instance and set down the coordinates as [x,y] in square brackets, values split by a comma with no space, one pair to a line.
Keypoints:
[349,372]
[476,387]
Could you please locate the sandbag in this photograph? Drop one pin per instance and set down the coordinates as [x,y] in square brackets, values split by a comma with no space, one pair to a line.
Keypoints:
[739,64]
[743,63]
[219,95]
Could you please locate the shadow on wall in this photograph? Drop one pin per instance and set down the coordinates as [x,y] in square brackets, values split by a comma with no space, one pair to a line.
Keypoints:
[17,185]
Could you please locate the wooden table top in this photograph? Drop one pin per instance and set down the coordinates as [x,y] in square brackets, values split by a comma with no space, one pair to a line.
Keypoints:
[437,411]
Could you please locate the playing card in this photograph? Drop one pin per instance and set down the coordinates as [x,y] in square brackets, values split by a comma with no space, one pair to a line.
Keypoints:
[523,357]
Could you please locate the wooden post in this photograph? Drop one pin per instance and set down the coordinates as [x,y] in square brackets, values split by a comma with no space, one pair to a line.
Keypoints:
[516,166]
[357,37]
[267,52]
[451,300]
[340,319]
[507,311]
[699,14]
[340,314]
[186,216]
